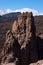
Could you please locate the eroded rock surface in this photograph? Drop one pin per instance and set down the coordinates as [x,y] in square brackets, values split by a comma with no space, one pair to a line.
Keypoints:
[20,46]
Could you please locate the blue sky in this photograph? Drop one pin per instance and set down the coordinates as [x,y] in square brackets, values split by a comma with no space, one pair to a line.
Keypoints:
[20,4]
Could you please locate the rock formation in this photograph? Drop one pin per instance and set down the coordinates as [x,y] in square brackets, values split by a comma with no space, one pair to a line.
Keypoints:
[20,46]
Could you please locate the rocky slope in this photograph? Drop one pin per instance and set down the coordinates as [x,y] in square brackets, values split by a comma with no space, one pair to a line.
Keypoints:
[38,20]
[6,22]
[5,25]
[23,45]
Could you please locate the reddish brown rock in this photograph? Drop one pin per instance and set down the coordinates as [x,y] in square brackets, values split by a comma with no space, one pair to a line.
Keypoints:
[21,41]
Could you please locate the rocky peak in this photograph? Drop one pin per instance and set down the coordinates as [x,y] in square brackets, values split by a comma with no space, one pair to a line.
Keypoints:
[20,44]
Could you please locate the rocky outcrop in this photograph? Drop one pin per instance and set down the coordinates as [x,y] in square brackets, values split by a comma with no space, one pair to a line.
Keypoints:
[20,46]
[6,24]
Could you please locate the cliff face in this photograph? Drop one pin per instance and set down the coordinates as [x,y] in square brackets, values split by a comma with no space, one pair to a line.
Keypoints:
[20,46]
[6,24]
[24,30]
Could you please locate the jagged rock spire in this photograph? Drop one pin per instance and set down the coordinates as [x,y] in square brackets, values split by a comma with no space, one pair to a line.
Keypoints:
[20,45]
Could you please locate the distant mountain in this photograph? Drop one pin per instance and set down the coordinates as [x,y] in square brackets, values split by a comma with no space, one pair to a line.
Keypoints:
[11,15]
[0,16]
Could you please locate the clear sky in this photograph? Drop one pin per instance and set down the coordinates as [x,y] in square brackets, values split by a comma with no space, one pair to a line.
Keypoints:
[19,4]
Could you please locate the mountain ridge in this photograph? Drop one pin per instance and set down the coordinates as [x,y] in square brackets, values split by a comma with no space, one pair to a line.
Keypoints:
[11,15]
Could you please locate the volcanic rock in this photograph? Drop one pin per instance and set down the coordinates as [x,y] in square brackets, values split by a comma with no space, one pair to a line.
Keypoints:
[20,45]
